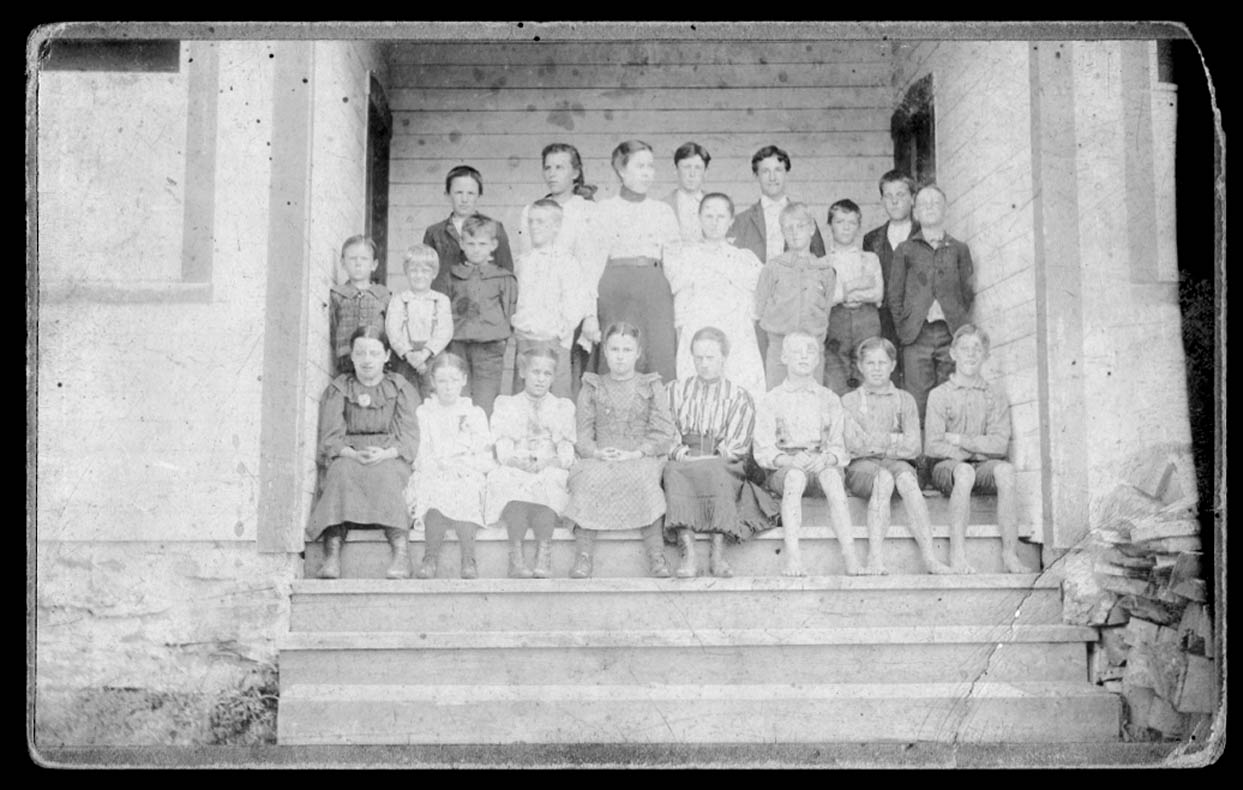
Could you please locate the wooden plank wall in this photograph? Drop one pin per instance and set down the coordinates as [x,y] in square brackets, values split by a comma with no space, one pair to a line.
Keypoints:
[496,105]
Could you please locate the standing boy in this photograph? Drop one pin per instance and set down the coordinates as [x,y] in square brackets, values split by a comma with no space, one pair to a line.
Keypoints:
[419,323]
[551,299]
[968,436]
[483,297]
[856,297]
[883,438]
[691,161]
[793,292]
[798,435]
[758,228]
[897,192]
[930,293]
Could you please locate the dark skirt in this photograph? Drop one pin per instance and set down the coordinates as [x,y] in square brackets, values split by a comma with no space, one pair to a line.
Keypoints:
[710,495]
[363,496]
[636,291]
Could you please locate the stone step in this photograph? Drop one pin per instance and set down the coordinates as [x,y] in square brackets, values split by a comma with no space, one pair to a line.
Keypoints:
[451,605]
[697,713]
[799,655]
[617,554]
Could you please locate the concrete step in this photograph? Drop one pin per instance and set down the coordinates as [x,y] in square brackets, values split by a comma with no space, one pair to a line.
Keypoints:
[450,605]
[620,554]
[697,713]
[708,656]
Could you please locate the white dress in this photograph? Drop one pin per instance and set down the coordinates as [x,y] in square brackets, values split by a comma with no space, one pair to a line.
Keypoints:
[455,454]
[715,286]
[541,429]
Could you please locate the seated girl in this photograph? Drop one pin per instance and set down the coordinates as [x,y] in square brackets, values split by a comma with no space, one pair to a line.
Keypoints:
[534,435]
[706,484]
[624,433]
[455,453]
[367,439]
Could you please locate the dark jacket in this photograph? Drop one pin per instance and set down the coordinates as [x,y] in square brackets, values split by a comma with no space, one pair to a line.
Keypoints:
[483,299]
[748,233]
[877,241]
[920,274]
[443,238]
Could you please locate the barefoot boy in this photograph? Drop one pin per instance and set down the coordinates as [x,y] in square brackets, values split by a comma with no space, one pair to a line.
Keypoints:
[798,435]
[882,435]
[967,436]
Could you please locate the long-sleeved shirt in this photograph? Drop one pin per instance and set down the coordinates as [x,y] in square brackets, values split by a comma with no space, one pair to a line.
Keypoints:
[351,307]
[929,281]
[794,294]
[629,415]
[720,412]
[882,423]
[631,229]
[551,297]
[483,298]
[792,417]
[454,435]
[542,428]
[419,318]
[977,410]
[852,263]
[444,238]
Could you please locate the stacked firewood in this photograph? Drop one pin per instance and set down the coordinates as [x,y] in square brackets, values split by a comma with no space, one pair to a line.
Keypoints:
[1156,646]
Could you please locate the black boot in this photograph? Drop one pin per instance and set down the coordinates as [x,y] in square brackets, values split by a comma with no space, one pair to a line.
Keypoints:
[686,546]
[517,562]
[334,541]
[654,547]
[716,560]
[584,540]
[543,559]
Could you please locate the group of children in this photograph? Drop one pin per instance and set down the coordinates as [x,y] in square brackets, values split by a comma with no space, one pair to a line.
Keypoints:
[633,448]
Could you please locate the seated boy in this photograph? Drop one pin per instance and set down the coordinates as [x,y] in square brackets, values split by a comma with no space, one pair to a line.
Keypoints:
[967,435]
[882,435]
[856,299]
[794,292]
[798,435]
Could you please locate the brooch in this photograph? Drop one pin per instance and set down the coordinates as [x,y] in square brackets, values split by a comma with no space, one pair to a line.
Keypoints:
[364,400]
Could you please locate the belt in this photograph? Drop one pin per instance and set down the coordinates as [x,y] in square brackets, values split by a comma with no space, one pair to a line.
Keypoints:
[638,261]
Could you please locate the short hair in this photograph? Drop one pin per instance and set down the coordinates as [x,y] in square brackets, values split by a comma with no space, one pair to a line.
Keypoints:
[539,351]
[623,152]
[797,210]
[547,203]
[421,255]
[845,206]
[764,153]
[464,170]
[687,150]
[447,359]
[360,239]
[786,344]
[370,331]
[934,188]
[712,333]
[479,225]
[894,176]
[969,330]
[717,196]
[625,330]
[873,343]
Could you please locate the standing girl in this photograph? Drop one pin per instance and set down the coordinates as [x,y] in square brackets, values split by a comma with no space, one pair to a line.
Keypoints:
[563,175]
[635,231]
[464,187]
[534,434]
[357,302]
[713,284]
[624,432]
[367,438]
[454,456]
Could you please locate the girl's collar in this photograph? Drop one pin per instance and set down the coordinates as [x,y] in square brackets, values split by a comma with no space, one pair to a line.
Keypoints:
[630,195]
[633,374]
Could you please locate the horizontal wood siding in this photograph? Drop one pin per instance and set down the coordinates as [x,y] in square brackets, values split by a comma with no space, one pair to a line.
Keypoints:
[495,106]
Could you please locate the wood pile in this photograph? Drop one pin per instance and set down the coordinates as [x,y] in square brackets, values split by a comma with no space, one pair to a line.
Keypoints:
[1156,647]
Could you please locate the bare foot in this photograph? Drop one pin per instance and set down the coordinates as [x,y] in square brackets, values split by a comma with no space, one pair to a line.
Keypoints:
[937,567]
[960,566]
[794,568]
[1012,564]
[876,568]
